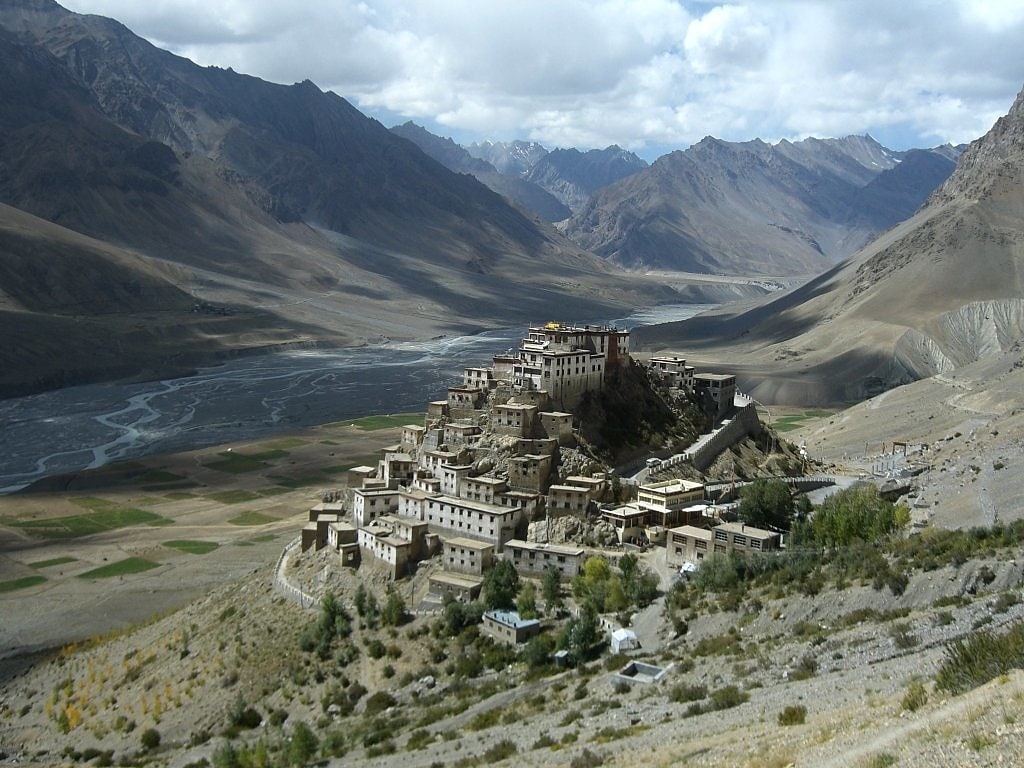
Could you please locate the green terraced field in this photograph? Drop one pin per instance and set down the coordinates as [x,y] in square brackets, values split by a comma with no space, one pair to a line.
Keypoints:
[103,516]
[120,568]
[22,583]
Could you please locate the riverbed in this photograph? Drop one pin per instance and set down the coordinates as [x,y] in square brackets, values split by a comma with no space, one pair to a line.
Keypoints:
[89,426]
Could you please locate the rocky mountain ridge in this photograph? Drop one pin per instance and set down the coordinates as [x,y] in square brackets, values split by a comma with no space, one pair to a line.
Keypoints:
[755,208]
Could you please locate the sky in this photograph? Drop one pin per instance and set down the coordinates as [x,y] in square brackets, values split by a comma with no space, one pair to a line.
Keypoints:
[649,75]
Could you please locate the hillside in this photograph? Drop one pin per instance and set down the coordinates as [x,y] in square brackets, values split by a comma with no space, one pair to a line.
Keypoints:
[936,292]
[573,176]
[755,208]
[281,199]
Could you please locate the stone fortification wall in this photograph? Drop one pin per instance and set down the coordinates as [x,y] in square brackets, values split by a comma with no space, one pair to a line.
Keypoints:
[744,423]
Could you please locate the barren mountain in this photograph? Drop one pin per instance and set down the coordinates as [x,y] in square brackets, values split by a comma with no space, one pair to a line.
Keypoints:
[455,158]
[935,293]
[573,176]
[511,158]
[756,208]
[277,198]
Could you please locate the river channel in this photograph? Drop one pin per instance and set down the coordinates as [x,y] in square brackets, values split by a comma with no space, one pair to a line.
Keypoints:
[89,426]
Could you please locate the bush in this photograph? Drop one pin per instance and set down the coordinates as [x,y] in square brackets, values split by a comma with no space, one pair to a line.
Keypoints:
[500,751]
[915,697]
[728,697]
[683,693]
[150,738]
[979,658]
[378,702]
[586,759]
[795,714]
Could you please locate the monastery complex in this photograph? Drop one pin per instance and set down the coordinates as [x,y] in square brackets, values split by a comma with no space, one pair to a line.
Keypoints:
[444,491]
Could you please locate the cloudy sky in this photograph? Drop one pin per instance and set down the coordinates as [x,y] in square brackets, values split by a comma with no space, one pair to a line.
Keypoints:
[649,75]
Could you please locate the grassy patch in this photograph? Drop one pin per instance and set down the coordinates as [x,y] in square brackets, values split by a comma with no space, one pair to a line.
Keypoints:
[120,568]
[52,562]
[179,496]
[22,583]
[103,516]
[233,497]
[191,546]
[793,421]
[252,518]
[263,538]
[388,421]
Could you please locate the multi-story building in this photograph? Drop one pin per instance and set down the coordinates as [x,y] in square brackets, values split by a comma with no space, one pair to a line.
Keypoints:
[690,544]
[716,392]
[673,370]
[532,559]
[665,503]
[467,556]
[370,503]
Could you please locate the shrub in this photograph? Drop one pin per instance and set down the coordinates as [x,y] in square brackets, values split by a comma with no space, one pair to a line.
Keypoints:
[728,697]
[150,738]
[683,693]
[795,714]
[500,751]
[979,658]
[303,744]
[378,702]
[587,759]
[915,697]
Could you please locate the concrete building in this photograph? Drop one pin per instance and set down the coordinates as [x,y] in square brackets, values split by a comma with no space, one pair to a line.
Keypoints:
[460,587]
[716,392]
[628,523]
[691,544]
[483,488]
[557,426]
[370,503]
[532,559]
[467,556]
[529,473]
[489,523]
[568,500]
[673,370]
[508,627]
[665,502]
[514,419]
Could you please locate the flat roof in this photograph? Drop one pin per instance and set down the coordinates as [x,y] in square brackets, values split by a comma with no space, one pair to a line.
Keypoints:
[624,512]
[457,579]
[462,541]
[362,469]
[692,531]
[510,619]
[747,530]
[575,488]
[714,376]
[479,506]
[670,486]
[374,491]
[538,547]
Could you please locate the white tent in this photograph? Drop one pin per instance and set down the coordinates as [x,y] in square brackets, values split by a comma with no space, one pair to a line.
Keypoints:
[624,640]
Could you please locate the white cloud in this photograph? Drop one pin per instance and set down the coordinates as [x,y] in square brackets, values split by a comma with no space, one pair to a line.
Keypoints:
[641,73]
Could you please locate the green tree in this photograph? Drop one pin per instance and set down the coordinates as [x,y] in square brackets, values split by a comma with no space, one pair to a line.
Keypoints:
[551,588]
[500,586]
[393,614]
[582,634]
[526,603]
[767,504]
[591,584]
[615,596]
[303,744]
[854,514]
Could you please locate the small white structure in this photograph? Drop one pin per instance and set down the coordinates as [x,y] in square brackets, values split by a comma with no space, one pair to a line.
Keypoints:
[624,640]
